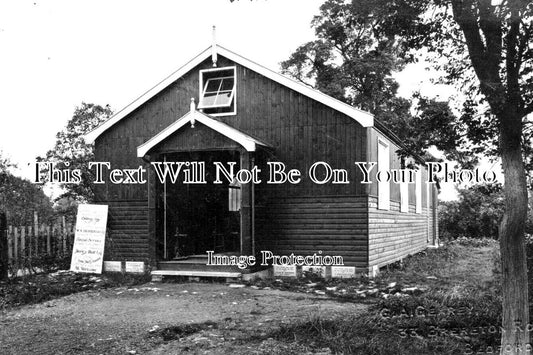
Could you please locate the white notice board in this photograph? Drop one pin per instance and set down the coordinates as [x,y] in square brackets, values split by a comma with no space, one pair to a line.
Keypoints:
[89,240]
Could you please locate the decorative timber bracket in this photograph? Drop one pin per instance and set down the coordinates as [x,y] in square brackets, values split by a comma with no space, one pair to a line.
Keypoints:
[193,110]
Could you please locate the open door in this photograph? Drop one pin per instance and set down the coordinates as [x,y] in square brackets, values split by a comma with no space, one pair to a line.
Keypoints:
[200,217]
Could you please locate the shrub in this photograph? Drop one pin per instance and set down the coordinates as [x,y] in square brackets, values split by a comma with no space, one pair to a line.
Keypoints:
[477,213]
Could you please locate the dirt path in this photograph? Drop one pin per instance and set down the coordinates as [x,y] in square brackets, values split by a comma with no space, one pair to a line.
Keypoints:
[118,321]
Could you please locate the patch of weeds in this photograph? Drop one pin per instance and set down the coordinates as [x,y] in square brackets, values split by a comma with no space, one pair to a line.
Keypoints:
[39,288]
[475,242]
[411,273]
[448,269]
[181,331]
[36,288]
[424,263]
[308,283]
[435,322]
[273,347]
[445,266]
[451,314]
[115,279]
[39,263]
[312,276]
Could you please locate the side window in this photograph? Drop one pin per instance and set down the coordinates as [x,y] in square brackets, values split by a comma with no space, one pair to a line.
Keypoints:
[419,189]
[404,197]
[383,165]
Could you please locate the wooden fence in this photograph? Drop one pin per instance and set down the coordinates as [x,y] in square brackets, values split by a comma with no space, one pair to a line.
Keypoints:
[27,245]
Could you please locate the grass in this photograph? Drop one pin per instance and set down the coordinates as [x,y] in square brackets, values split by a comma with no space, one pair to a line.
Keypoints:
[459,313]
[456,263]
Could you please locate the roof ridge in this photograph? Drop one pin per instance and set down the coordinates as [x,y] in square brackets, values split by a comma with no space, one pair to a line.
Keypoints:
[364,118]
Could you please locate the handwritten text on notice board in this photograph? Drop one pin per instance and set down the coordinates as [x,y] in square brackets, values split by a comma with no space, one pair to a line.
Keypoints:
[89,240]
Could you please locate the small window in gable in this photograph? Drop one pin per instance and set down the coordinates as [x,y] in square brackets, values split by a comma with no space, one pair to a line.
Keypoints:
[217,91]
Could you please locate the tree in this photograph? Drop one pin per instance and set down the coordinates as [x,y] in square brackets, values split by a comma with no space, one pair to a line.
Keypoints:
[488,54]
[498,46]
[71,151]
[355,53]
[19,198]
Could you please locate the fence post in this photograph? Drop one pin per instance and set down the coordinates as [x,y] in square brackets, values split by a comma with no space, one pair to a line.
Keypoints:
[36,231]
[64,234]
[59,238]
[29,242]
[10,244]
[16,246]
[22,243]
[3,246]
[71,232]
[48,244]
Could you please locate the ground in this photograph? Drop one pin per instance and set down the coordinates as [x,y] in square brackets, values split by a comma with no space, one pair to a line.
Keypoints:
[263,318]
[118,320]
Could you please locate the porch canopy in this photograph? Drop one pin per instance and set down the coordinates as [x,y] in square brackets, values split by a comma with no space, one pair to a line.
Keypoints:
[196,131]
[249,143]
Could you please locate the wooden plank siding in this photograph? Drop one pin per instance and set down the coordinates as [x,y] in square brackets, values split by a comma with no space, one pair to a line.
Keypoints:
[128,234]
[395,163]
[335,225]
[338,219]
[302,132]
[393,235]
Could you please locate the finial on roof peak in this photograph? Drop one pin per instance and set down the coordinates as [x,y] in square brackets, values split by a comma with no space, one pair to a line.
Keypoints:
[214,47]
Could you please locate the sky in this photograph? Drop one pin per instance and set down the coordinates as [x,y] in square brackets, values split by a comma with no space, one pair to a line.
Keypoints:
[57,54]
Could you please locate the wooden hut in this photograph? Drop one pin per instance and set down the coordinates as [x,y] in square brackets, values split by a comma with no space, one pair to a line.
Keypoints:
[245,115]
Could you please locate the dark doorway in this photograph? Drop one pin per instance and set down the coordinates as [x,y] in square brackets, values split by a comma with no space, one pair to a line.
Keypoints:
[195,218]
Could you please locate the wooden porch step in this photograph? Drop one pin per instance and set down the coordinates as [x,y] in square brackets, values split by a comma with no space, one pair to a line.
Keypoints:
[196,260]
[173,266]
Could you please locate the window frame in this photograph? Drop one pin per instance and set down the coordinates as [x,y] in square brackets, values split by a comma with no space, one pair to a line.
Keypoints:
[404,188]
[418,189]
[404,196]
[203,86]
[383,187]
